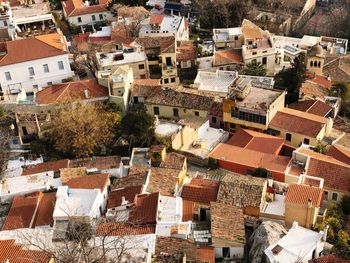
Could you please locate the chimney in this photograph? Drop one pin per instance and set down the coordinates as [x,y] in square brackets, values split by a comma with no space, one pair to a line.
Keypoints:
[295,225]
[308,214]
[124,202]
[325,231]
[86,94]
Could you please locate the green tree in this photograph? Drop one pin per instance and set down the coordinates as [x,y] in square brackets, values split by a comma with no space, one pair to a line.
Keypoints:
[261,172]
[254,69]
[339,89]
[137,127]
[345,204]
[321,148]
[292,78]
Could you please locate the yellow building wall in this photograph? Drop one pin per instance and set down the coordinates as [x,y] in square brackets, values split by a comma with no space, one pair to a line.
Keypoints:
[316,70]
[184,138]
[297,139]
[167,112]
[277,105]
[295,212]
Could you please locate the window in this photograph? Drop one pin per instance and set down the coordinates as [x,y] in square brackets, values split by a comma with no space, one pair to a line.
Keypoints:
[213,119]
[60,65]
[141,66]
[319,64]
[264,60]
[46,68]
[49,83]
[93,17]
[326,195]
[225,252]
[8,76]
[334,197]
[288,137]
[31,71]
[101,16]
[136,100]
[172,80]
[35,86]
[311,64]
[79,19]
[166,81]
[196,113]
[306,141]
[254,53]
[168,61]
[142,76]
[156,110]
[250,42]
[246,116]
[5,23]
[236,37]
[175,112]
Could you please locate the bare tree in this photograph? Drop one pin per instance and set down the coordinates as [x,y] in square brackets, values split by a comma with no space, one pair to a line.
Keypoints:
[5,136]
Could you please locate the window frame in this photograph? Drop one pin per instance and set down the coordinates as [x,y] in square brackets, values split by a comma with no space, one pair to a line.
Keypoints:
[60,65]
[46,68]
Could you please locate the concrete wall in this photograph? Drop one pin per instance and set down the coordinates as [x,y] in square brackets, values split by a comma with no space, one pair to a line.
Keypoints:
[300,213]
[167,112]
[184,138]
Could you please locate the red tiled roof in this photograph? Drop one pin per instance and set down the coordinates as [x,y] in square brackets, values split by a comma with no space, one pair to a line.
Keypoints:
[145,209]
[340,153]
[336,174]
[77,8]
[94,181]
[75,90]
[98,162]
[298,122]
[32,210]
[207,254]
[10,252]
[256,141]
[227,57]
[40,47]
[124,229]
[250,158]
[320,80]
[186,51]
[329,259]
[301,194]
[145,87]
[22,212]
[44,213]
[173,161]
[316,107]
[156,19]
[188,210]
[45,167]
[115,196]
[201,190]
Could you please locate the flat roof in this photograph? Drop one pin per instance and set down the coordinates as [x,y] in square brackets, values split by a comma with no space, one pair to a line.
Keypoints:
[108,58]
[259,99]
[218,81]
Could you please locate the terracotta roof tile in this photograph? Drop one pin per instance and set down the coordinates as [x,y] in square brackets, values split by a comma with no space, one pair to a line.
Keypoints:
[22,212]
[241,190]
[77,8]
[188,210]
[98,162]
[136,176]
[257,141]
[207,254]
[329,259]
[298,122]
[316,107]
[227,57]
[163,180]
[170,97]
[145,209]
[200,190]
[45,167]
[186,51]
[313,90]
[338,68]
[75,90]
[227,224]
[10,252]
[39,48]
[124,229]
[155,45]
[93,181]
[115,196]
[145,87]
[67,174]
[301,194]
[156,19]
[250,158]
[340,153]
[44,214]
[167,246]
[336,174]
[173,161]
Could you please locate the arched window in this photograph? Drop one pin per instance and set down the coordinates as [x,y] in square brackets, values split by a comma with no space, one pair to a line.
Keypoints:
[311,64]
[319,64]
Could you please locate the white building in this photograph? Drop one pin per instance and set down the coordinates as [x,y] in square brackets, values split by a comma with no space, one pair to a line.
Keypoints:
[32,63]
[83,205]
[80,13]
[21,185]
[299,245]
[160,25]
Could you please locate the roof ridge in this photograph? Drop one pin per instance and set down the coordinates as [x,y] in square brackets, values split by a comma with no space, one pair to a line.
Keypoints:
[42,41]
[63,91]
